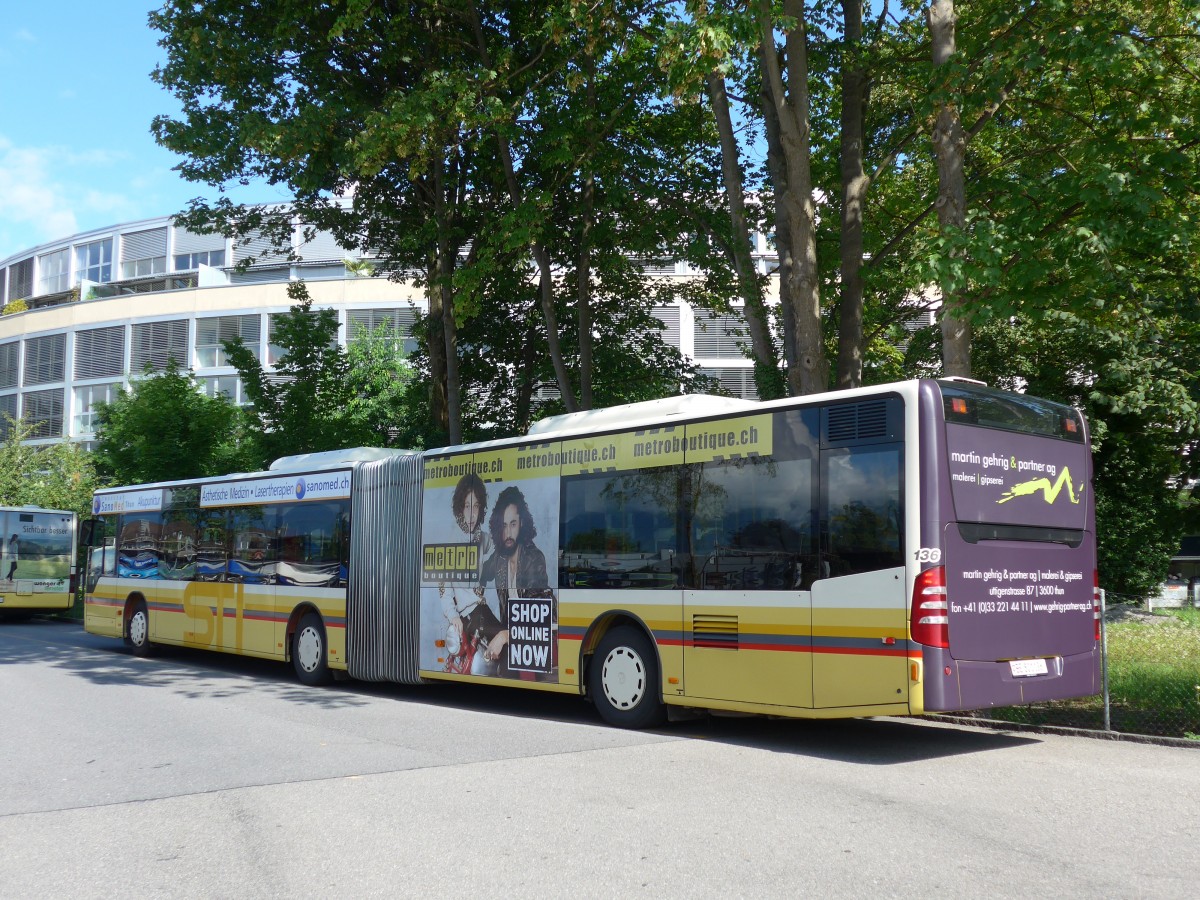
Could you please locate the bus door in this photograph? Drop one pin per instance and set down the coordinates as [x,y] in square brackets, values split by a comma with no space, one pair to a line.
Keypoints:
[860,620]
[138,554]
[250,620]
[747,608]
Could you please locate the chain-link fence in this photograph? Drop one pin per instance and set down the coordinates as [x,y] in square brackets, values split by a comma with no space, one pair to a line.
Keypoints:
[1152,669]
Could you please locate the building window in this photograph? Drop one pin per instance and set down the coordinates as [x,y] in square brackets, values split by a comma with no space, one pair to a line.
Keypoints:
[86,399]
[144,253]
[100,352]
[8,411]
[93,262]
[10,359]
[186,262]
[140,268]
[224,386]
[45,359]
[154,343]
[397,323]
[44,411]
[211,332]
[54,272]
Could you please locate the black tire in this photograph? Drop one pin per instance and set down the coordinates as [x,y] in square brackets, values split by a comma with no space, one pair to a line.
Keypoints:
[623,680]
[310,651]
[137,630]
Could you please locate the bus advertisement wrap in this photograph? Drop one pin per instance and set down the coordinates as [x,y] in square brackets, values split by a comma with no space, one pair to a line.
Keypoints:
[489,563]
[35,549]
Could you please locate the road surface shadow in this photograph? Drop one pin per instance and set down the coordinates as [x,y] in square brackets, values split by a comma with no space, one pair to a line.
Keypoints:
[200,673]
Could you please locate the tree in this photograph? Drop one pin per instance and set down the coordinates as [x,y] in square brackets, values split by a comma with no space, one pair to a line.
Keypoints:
[322,396]
[165,427]
[54,476]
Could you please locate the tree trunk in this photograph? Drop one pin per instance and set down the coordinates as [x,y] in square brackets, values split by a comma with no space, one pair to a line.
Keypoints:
[799,286]
[949,145]
[540,255]
[766,358]
[851,343]
[447,253]
[584,265]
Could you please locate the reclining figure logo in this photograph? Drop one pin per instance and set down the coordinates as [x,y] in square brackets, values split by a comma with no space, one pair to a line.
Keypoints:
[1049,491]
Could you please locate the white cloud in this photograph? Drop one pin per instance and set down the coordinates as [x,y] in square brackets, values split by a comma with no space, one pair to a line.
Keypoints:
[24,34]
[45,194]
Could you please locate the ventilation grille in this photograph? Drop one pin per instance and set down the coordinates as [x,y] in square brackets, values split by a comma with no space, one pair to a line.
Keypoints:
[100,352]
[858,421]
[717,632]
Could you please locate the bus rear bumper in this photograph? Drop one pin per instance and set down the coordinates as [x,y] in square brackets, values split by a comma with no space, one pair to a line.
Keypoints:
[957,685]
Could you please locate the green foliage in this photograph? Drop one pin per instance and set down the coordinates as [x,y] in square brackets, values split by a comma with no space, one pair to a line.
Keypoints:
[165,427]
[54,476]
[321,396]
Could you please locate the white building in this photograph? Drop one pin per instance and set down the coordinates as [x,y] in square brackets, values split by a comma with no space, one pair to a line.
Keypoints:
[104,303]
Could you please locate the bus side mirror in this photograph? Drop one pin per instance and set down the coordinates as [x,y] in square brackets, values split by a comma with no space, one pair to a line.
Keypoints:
[90,530]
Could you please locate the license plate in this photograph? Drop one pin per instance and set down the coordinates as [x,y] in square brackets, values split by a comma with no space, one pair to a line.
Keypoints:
[1022,668]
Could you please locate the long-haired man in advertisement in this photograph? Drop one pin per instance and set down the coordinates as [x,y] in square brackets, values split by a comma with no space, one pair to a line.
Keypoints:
[517,569]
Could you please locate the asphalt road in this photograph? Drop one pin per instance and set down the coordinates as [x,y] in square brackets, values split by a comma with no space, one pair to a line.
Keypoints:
[196,775]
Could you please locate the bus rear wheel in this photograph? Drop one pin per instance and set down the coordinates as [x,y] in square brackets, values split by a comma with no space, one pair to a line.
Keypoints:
[623,680]
[137,630]
[310,652]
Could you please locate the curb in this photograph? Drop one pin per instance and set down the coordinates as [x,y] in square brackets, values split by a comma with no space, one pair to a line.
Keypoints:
[1066,731]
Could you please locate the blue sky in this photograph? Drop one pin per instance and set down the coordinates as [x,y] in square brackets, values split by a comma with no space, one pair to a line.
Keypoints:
[76,101]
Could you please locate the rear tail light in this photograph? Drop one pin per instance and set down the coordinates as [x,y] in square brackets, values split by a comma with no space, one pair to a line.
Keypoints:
[930,620]
[1096,603]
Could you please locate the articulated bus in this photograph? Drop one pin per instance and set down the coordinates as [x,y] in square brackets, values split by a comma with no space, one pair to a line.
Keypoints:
[918,547]
[37,560]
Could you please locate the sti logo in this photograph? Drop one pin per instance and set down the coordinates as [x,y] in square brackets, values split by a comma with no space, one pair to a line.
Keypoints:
[300,489]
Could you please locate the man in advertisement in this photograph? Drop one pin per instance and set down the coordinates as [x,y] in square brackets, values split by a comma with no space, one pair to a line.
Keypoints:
[517,569]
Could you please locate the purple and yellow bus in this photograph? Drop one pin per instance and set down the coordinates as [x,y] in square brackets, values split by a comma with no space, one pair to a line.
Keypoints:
[919,547]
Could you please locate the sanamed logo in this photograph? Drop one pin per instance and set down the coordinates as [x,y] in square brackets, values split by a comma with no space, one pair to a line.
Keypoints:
[1049,491]
[300,489]
[96,506]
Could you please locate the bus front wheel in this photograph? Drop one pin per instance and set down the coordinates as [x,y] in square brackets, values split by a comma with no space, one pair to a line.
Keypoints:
[623,680]
[310,652]
[137,630]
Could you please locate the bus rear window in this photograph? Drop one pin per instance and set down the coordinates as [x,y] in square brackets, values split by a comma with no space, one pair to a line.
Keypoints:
[970,405]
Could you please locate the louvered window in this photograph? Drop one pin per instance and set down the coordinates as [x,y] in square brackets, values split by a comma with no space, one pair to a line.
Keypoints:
[10,359]
[45,359]
[100,352]
[211,332]
[8,411]
[54,272]
[275,352]
[190,242]
[20,280]
[397,321]
[144,253]
[669,316]
[260,249]
[156,342]
[734,382]
[323,246]
[719,336]
[44,411]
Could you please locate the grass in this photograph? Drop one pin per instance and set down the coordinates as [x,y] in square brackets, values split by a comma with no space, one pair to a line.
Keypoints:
[1153,677]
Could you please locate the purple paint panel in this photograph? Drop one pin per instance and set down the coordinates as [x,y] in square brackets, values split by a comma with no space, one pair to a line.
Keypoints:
[1006,477]
[1018,599]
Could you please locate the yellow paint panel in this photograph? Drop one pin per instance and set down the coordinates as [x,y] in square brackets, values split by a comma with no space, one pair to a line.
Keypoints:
[728,438]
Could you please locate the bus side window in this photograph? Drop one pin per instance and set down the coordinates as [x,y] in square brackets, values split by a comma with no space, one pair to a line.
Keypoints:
[862,514]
